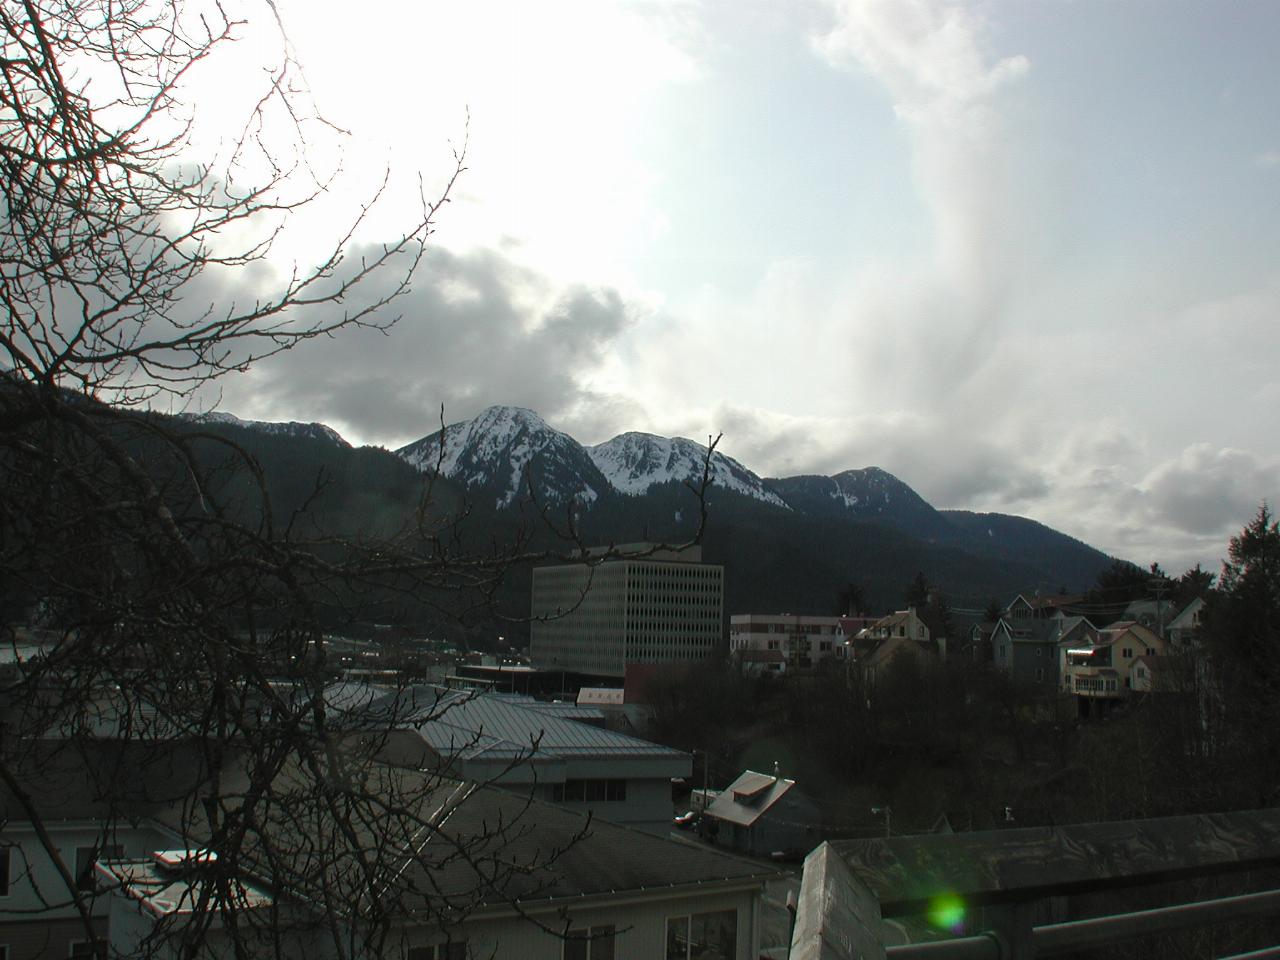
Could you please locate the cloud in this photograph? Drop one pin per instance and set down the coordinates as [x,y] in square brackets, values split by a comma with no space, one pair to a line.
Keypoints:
[474,330]
[938,317]
[946,467]
[1268,158]
[1208,490]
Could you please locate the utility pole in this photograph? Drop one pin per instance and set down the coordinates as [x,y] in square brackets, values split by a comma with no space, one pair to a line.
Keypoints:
[1159,585]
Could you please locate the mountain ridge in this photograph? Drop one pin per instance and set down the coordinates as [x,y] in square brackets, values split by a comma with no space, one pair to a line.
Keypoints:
[792,541]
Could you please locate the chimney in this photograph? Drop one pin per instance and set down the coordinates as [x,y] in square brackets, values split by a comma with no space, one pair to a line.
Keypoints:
[777,772]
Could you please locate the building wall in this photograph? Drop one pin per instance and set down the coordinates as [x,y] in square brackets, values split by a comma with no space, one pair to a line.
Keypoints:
[790,826]
[625,611]
[641,928]
[647,806]
[803,639]
[1126,647]
[1035,663]
[38,918]
[587,629]
[43,939]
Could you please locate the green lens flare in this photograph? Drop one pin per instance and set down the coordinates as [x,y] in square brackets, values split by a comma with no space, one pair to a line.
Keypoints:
[947,912]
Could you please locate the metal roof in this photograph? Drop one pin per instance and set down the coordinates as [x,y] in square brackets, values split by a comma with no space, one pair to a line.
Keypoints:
[746,799]
[468,724]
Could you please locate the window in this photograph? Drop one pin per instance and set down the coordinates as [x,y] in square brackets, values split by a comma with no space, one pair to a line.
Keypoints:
[590,943]
[1126,652]
[703,936]
[87,948]
[590,791]
[1039,674]
[1039,651]
[5,856]
[453,950]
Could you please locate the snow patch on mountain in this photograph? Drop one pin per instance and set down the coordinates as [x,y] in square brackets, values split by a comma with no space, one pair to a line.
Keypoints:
[634,462]
[291,428]
[496,449]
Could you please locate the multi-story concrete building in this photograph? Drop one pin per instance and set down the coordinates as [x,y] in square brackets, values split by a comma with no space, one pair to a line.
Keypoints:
[653,606]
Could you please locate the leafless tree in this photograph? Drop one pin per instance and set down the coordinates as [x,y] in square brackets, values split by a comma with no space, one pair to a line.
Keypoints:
[181,673]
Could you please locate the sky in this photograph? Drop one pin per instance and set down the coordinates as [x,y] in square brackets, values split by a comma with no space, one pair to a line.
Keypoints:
[1022,254]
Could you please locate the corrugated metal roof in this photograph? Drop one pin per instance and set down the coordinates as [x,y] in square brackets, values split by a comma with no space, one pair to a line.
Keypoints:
[468,724]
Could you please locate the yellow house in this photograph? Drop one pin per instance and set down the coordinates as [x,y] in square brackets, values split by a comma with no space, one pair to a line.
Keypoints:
[1101,673]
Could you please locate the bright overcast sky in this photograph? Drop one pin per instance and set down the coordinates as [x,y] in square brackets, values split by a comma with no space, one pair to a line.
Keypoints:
[1021,254]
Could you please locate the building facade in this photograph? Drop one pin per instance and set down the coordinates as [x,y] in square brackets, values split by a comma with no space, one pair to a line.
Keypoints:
[660,607]
[802,640]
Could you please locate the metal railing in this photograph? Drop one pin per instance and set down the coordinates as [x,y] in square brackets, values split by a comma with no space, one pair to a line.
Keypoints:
[1058,938]
[851,887]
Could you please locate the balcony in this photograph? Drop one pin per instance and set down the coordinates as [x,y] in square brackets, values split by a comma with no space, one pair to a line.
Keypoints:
[1103,684]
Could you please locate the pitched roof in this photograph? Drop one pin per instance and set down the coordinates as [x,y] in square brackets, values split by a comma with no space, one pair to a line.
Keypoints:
[749,797]
[465,724]
[438,845]
[1031,630]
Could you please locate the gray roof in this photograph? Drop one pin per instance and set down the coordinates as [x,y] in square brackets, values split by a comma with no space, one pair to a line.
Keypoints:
[441,842]
[746,799]
[468,724]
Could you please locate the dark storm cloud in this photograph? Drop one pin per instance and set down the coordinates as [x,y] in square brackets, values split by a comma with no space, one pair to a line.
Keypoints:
[475,329]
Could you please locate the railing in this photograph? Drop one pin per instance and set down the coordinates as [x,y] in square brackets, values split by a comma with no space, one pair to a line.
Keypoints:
[851,888]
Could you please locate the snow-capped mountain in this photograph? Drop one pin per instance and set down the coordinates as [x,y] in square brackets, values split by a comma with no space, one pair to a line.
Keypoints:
[636,462]
[292,428]
[503,449]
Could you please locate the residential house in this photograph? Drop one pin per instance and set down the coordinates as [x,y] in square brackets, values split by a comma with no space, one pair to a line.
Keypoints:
[1099,673]
[1152,614]
[762,814]
[1037,607]
[1028,648]
[1184,629]
[900,633]
[67,815]
[979,647]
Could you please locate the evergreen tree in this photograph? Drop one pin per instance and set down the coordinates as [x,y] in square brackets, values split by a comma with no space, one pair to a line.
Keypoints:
[917,593]
[1241,627]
